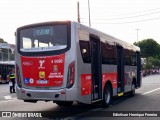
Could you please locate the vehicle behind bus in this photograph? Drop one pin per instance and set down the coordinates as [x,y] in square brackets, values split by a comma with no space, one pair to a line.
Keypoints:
[5,68]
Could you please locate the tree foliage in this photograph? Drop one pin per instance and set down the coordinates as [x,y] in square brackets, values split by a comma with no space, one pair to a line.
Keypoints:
[148,65]
[150,50]
[2,41]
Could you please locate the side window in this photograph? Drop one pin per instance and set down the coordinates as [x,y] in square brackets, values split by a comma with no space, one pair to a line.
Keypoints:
[134,59]
[108,53]
[127,57]
[130,57]
[85,51]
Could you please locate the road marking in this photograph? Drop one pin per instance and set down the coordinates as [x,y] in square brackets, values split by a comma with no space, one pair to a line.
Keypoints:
[150,91]
[8,97]
[8,100]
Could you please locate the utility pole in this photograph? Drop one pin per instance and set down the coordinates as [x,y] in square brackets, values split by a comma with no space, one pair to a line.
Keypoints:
[89,14]
[78,12]
[137,34]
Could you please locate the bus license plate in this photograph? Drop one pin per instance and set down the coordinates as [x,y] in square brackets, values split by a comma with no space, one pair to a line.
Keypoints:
[42,81]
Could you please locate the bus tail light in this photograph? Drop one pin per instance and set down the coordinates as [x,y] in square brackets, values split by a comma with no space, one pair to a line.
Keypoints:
[18,77]
[71,72]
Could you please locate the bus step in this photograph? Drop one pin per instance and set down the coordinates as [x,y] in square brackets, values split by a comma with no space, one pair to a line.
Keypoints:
[93,101]
[120,94]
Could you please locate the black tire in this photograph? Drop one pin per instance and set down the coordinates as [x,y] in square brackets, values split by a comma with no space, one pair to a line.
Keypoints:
[107,96]
[133,89]
[64,103]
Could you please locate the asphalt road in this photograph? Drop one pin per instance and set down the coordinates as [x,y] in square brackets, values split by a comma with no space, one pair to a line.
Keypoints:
[146,99]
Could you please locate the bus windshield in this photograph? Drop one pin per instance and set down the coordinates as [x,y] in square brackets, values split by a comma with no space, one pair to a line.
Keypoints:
[43,38]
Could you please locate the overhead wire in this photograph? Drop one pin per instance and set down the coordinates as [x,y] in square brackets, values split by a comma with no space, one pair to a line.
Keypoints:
[130,17]
[129,21]
[149,10]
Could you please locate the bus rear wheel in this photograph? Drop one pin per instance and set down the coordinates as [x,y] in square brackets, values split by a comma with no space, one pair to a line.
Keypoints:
[64,103]
[107,96]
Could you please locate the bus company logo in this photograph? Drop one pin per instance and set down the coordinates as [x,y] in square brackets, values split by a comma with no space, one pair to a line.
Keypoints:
[41,62]
[28,63]
[41,74]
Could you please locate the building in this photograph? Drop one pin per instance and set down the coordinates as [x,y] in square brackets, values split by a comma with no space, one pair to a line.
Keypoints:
[7,52]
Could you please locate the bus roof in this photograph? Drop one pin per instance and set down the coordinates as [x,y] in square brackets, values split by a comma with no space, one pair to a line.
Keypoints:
[109,38]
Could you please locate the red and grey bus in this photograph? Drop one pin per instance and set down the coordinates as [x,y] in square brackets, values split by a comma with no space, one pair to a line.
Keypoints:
[66,62]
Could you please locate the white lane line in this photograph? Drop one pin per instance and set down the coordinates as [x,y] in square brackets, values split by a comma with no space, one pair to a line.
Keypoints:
[8,97]
[150,91]
[7,101]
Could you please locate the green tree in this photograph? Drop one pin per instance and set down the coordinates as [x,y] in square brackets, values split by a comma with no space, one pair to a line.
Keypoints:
[148,65]
[154,61]
[149,48]
[2,41]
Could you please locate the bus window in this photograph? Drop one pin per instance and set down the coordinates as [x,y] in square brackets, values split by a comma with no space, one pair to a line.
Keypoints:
[85,51]
[27,42]
[43,45]
[130,57]
[108,53]
[133,59]
[44,38]
[36,43]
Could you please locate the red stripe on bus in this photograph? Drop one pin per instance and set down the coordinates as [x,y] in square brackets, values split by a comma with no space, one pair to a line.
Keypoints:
[86,82]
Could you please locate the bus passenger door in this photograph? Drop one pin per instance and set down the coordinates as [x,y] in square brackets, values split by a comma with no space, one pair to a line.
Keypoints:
[96,69]
[120,70]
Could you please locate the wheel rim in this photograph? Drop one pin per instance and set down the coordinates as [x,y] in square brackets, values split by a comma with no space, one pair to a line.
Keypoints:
[133,88]
[107,96]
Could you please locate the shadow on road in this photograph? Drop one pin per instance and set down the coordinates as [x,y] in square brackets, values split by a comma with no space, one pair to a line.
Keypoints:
[63,112]
[124,103]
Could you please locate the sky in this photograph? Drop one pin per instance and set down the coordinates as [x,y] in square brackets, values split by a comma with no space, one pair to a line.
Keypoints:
[128,20]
